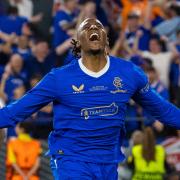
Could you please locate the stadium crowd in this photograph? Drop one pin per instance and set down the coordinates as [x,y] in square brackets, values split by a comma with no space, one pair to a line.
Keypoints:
[146,32]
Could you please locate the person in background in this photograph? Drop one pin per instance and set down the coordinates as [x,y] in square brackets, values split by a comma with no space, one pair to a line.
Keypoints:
[87,10]
[148,158]
[25,9]
[42,59]
[5,49]
[64,25]
[177,42]
[127,39]
[125,169]
[23,155]
[171,145]
[22,47]
[64,21]
[17,75]
[12,23]
[156,83]
[17,93]
[171,25]
[161,59]
[175,81]
[139,7]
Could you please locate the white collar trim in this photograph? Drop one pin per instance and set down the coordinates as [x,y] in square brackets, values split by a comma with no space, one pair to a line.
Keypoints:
[94,74]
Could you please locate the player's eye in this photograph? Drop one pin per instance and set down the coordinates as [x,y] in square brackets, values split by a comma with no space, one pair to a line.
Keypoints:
[99,25]
[86,26]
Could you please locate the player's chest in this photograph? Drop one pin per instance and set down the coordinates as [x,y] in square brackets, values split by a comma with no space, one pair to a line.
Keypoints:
[104,90]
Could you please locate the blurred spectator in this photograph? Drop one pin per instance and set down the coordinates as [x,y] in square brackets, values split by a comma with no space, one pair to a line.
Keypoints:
[172,147]
[34,80]
[22,47]
[175,81]
[12,23]
[88,10]
[42,59]
[124,171]
[148,158]
[17,93]
[25,9]
[156,84]
[64,21]
[137,138]
[3,5]
[170,26]
[56,6]
[5,53]
[135,29]
[177,42]
[31,32]
[17,75]
[3,96]
[23,164]
[139,7]
[64,25]
[161,60]
[113,9]
[136,35]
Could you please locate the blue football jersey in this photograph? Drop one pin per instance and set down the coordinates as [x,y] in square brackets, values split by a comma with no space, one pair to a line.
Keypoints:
[89,108]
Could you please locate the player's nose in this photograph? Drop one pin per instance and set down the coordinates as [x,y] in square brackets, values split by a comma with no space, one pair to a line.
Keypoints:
[93,26]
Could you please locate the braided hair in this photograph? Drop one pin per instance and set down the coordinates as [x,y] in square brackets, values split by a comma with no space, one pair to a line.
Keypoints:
[76,49]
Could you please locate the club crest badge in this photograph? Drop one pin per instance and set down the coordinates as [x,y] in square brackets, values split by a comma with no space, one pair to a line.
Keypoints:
[117,82]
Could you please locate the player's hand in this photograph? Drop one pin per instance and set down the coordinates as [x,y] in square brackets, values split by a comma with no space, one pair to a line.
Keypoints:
[158,126]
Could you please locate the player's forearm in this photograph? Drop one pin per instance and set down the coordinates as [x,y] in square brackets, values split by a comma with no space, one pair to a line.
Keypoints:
[35,99]
[160,109]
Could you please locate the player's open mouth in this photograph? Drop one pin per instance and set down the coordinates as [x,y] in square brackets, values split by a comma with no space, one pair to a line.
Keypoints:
[94,37]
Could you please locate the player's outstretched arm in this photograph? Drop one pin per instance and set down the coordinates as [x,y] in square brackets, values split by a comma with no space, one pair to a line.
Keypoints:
[43,93]
[158,107]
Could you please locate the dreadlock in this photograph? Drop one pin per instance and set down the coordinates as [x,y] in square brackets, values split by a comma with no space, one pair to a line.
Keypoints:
[76,50]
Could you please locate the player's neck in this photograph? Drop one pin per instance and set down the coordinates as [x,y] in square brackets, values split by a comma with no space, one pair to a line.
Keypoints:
[94,63]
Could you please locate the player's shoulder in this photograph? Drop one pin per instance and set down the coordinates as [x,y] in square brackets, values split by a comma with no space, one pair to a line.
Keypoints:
[127,67]
[66,68]
[120,62]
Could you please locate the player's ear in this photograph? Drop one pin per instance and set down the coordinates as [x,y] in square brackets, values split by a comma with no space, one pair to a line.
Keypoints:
[76,43]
